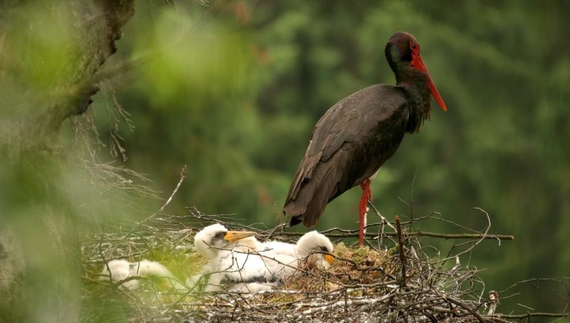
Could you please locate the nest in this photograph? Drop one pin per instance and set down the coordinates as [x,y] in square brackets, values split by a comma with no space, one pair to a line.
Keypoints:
[368,284]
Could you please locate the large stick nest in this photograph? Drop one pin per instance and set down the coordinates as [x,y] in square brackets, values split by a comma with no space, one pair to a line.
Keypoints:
[369,284]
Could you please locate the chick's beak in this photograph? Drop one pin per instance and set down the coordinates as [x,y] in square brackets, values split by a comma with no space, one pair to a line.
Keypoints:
[233,236]
[330,259]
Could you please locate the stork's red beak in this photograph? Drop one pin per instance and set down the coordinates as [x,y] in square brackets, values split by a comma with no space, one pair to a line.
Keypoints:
[418,63]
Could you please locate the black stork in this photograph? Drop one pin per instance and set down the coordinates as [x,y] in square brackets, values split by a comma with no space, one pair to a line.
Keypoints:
[357,135]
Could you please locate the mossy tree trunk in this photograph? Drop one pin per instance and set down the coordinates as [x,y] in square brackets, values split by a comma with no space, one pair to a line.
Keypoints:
[40,256]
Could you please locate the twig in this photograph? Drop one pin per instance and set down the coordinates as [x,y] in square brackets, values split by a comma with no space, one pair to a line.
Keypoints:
[467,308]
[354,234]
[272,231]
[384,220]
[401,251]
[343,302]
[493,300]
[565,280]
[535,314]
[479,240]
[182,177]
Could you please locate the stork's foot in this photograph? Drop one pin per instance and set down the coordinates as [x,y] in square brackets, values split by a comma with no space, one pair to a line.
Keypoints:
[366,196]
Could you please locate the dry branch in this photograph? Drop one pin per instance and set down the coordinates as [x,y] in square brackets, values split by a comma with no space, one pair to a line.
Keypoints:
[447,236]
[401,252]
[534,314]
[183,173]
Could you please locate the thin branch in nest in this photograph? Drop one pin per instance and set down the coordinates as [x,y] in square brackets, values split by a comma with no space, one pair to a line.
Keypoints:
[466,307]
[410,205]
[401,252]
[354,234]
[470,249]
[535,314]
[183,174]
[384,220]
[218,218]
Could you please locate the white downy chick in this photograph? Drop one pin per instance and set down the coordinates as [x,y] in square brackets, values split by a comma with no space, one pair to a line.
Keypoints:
[235,261]
[121,269]
[316,248]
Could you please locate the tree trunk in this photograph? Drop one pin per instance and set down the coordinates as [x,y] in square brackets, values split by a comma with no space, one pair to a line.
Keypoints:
[40,256]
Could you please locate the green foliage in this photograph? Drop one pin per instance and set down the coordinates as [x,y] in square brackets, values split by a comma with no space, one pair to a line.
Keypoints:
[46,41]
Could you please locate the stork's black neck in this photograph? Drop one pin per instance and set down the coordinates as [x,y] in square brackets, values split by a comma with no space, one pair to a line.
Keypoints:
[415,83]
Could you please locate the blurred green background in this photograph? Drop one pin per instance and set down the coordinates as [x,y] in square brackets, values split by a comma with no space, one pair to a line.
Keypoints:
[235,92]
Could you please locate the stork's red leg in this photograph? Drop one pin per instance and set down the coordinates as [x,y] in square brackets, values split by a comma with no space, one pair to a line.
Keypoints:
[366,195]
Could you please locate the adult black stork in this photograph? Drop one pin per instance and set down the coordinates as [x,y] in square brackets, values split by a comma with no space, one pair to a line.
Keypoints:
[357,135]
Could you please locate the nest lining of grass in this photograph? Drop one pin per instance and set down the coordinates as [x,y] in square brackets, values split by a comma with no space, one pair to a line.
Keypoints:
[369,284]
